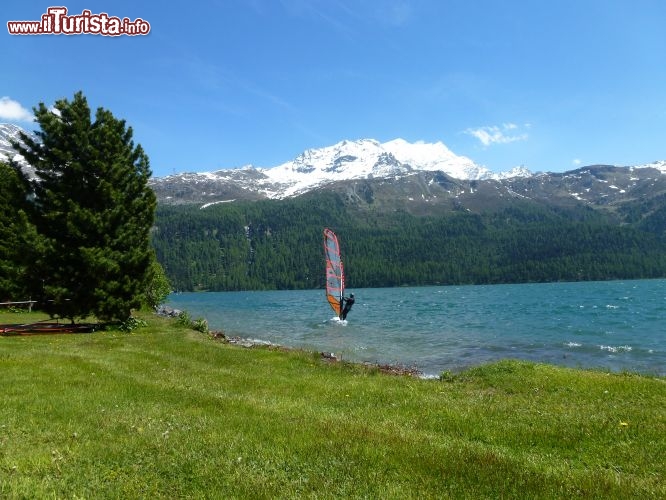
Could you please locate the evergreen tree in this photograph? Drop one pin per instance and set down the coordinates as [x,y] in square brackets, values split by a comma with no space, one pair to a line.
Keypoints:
[276,244]
[16,236]
[93,209]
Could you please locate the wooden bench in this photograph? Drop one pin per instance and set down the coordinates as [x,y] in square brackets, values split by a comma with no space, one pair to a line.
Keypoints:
[22,302]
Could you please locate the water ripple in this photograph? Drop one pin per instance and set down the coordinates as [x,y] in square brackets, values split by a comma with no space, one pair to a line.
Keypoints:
[613,325]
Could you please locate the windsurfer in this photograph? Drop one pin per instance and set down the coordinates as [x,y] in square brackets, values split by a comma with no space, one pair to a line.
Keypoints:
[347,305]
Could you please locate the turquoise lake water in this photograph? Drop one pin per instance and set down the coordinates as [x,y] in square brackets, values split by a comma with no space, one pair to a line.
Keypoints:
[613,325]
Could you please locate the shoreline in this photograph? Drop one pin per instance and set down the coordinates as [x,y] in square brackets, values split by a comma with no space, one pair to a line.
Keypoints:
[412,367]
[386,368]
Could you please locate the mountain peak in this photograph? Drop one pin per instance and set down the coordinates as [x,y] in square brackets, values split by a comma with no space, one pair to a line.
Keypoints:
[436,156]
[367,158]
[347,160]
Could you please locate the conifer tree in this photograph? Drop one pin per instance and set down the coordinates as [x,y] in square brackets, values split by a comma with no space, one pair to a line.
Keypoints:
[15,235]
[92,208]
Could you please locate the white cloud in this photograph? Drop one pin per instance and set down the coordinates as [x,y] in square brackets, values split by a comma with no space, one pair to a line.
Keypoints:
[12,110]
[576,162]
[494,134]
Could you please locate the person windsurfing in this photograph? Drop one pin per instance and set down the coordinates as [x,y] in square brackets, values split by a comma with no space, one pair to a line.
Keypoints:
[347,305]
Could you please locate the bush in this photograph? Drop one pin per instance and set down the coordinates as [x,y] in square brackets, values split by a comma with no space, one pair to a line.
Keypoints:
[185,320]
[131,324]
[200,325]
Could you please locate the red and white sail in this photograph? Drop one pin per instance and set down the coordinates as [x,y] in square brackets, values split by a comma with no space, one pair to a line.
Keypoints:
[335,276]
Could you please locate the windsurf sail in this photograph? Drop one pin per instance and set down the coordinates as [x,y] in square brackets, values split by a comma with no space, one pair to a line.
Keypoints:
[335,276]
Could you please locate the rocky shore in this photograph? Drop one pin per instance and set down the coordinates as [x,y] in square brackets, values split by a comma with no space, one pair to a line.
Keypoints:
[391,369]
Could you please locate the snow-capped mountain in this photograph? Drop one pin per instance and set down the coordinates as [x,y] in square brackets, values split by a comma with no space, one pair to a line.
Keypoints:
[344,161]
[365,159]
[9,132]
[399,173]
[416,172]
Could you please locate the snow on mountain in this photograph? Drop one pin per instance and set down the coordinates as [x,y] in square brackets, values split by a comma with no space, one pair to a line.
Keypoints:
[7,152]
[436,156]
[7,132]
[346,160]
[367,158]
[520,171]
[659,165]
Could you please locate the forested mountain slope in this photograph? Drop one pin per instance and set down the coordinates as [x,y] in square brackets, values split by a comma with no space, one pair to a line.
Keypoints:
[277,244]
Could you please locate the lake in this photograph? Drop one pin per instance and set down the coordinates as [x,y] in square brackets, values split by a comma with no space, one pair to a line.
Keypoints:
[612,325]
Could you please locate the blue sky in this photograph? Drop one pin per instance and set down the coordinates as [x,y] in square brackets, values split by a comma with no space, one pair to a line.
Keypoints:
[219,84]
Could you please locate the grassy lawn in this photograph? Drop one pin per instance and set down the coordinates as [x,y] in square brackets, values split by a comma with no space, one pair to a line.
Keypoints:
[167,412]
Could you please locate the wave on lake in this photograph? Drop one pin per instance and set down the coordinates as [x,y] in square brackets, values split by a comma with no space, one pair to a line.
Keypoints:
[615,325]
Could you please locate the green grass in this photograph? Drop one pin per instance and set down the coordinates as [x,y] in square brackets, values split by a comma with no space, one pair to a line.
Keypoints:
[167,412]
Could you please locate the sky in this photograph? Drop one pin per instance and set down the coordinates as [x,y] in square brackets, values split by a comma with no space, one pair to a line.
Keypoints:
[216,84]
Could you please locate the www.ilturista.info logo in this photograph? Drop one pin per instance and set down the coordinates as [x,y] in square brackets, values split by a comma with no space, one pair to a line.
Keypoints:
[56,22]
